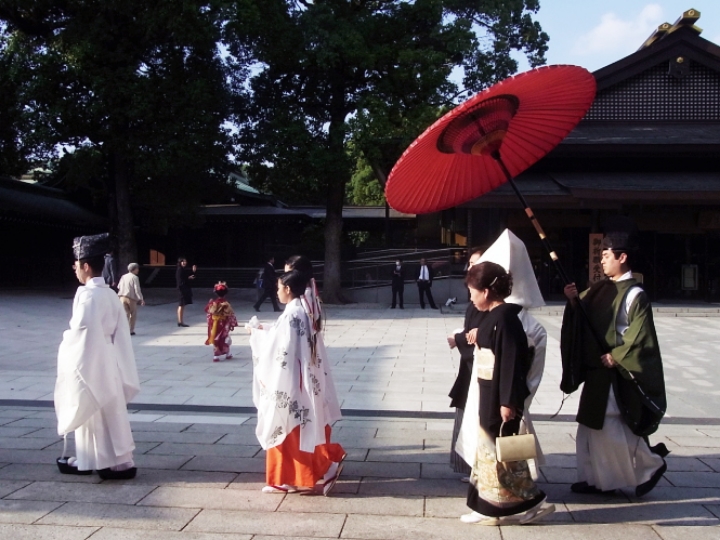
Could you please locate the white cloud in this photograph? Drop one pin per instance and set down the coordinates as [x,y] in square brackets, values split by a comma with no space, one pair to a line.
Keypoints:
[620,33]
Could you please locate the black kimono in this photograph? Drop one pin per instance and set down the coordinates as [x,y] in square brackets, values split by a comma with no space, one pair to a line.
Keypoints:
[501,489]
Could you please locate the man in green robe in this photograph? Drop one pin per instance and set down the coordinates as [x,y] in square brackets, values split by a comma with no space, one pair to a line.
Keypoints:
[623,398]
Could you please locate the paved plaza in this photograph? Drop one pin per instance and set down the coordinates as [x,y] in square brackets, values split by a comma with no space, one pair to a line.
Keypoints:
[201,468]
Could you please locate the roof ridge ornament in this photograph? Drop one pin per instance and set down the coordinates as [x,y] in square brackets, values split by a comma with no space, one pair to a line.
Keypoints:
[687,19]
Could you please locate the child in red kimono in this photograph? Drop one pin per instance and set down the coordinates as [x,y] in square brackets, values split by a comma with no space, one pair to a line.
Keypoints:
[221,321]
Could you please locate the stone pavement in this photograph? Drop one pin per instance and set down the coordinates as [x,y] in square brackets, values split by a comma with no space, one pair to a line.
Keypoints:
[201,469]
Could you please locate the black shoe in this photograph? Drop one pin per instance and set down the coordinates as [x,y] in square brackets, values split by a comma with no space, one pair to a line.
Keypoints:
[183,325]
[646,487]
[422,307]
[256,309]
[132,333]
[392,307]
[433,307]
[587,489]
[62,463]
[402,307]
[109,474]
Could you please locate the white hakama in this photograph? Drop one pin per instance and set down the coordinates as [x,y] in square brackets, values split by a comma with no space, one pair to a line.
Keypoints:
[613,457]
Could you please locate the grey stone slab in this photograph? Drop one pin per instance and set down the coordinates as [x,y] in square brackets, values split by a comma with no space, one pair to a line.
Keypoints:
[19,431]
[263,537]
[712,462]
[685,533]
[696,495]
[561,493]
[222,464]
[146,461]
[563,461]
[698,442]
[45,532]
[410,528]
[99,493]
[217,499]
[557,475]
[8,487]
[244,429]
[246,437]
[439,470]
[110,533]
[122,516]
[172,437]
[686,464]
[27,443]
[221,450]
[714,508]
[408,455]
[27,456]
[354,504]
[693,479]
[270,523]
[382,470]
[185,479]
[404,487]
[25,511]
[659,512]
[547,530]
[33,422]
[158,427]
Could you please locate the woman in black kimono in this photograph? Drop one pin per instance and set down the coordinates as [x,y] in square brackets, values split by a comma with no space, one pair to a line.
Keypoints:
[499,493]
[183,277]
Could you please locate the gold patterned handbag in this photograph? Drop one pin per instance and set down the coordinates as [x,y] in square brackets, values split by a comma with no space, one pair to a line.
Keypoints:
[515,447]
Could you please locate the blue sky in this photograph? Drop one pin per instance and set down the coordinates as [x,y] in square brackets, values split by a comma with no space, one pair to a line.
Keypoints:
[595,33]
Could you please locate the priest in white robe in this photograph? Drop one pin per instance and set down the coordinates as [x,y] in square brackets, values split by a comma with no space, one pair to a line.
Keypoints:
[96,375]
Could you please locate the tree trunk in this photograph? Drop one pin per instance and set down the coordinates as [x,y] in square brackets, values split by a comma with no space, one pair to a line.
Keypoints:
[382,178]
[122,225]
[337,177]
[332,276]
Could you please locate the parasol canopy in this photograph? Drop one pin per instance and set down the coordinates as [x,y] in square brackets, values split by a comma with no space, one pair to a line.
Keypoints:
[512,124]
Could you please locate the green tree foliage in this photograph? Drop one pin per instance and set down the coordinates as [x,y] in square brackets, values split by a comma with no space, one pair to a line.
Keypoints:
[326,70]
[139,88]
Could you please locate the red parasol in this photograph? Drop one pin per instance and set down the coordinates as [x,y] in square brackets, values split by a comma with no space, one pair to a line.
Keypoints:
[489,139]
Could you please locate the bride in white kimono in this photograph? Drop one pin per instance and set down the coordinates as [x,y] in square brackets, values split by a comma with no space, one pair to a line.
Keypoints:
[295,403]
[96,375]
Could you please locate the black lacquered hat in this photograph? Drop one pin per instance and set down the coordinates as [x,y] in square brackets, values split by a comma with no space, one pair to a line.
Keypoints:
[85,247]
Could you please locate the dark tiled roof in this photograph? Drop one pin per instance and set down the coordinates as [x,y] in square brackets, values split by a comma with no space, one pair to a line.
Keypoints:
[32,203]
[697,133]
[688,186]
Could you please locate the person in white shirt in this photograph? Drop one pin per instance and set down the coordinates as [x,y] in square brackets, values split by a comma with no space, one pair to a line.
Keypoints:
[424,283]
[130,294]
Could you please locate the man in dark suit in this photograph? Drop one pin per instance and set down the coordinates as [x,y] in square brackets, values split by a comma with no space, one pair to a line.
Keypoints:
[269,285]
[424,283]
[398,284]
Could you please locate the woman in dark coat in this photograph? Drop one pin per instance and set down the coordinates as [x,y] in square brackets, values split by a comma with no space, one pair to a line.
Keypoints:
[499,493]
[183,277]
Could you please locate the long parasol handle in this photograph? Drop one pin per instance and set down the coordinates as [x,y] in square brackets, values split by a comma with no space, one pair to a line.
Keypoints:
[546,243]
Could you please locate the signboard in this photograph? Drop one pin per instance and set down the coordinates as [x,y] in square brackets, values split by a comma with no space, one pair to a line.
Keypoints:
[595,271]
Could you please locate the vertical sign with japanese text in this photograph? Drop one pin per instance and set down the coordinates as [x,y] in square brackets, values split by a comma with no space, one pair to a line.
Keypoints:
[594,266]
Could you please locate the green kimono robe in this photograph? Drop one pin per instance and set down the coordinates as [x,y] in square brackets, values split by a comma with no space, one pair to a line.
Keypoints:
[637,379]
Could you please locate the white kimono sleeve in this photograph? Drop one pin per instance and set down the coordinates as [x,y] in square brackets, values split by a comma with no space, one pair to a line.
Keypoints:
[83,385]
